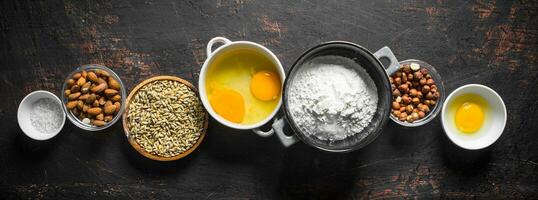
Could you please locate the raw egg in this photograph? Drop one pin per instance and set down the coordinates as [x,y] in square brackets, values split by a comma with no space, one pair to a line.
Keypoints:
[469,117]
[228,104]
[242,86]
[470,112]
[265,85]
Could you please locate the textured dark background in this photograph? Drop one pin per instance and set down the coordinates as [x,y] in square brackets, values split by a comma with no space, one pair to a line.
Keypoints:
[487,42]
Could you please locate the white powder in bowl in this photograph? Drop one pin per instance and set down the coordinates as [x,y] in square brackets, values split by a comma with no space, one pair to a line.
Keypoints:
[46,116]
[332,98]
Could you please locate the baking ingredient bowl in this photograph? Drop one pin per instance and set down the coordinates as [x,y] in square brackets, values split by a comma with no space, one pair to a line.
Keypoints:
[163,113]
[24,115]
[494,117]
[362,60]
[440,100]
[228,83]
[74,119]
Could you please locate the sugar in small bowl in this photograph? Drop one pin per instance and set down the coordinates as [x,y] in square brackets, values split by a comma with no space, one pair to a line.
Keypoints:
[40,115]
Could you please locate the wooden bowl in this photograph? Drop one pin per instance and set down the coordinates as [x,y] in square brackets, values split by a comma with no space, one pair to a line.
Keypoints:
[135,144]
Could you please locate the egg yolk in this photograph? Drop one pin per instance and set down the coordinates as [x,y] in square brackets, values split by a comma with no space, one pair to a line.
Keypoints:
[265,85]
[469,117]
[228,104]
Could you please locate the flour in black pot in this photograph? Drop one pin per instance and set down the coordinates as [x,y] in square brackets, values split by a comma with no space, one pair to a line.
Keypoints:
[332,98]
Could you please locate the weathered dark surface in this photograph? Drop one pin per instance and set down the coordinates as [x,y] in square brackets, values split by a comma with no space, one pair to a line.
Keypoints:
[488,42]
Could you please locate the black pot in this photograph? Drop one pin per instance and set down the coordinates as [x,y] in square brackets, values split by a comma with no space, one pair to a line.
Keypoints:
[370,62]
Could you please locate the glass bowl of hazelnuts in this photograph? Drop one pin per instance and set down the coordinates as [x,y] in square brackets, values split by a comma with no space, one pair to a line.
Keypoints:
[93,97]
[417,93]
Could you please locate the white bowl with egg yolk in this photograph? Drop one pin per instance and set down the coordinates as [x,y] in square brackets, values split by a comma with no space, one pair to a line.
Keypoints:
[494,118]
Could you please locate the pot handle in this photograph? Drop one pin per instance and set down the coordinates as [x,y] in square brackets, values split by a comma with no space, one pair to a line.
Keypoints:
[385,52]
[214,41]
[278,126]
[263,133]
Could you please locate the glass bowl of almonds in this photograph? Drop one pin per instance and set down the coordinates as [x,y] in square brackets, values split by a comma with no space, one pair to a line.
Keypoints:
[93,97]
[418,93]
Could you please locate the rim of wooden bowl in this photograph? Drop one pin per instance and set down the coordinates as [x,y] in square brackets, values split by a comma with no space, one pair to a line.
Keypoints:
[135,145]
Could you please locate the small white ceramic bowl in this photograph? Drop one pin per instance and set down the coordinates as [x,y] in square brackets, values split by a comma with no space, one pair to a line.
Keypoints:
[25,108]
[495,119]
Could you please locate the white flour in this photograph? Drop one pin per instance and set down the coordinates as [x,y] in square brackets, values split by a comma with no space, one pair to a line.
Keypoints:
[332,98]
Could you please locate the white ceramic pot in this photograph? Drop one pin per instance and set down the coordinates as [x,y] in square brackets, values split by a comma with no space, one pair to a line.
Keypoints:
[212,55]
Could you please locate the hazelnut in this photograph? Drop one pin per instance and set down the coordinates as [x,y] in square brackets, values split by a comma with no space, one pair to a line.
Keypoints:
[403,116]
[406,100]
[429,95]
[425,89]
[421,114]
[424,71]
[395,105]
[409,109]
[436,95]
[398,99]
[409,77]
[427,102]
[398,81]
[413,92]
[418,75]
[422,81]
[410,119]
[404,77]
[419,94]
[415,116]
[406,68]
[430,81]
[396,93]
[404,88]
[416,100]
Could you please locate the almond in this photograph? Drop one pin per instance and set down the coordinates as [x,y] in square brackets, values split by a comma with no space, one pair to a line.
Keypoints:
[110,109]
[102,101]
[93,77]
[84,73]
[94,111]
[75,88]
[110,92]
[102,72]
[80,104]
[99,88]
[84,97]
[101,80]
[70,82]
[118,107]
[81,81]
[72,104]
[95,103]
[74,96]
[116,98]
[90,99]
[98,122]
[108,118]
[76,76]
[114,84]
[86,87]
[85,108]
[100,117]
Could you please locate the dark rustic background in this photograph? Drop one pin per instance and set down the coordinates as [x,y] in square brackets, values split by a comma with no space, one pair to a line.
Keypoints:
[487,42]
